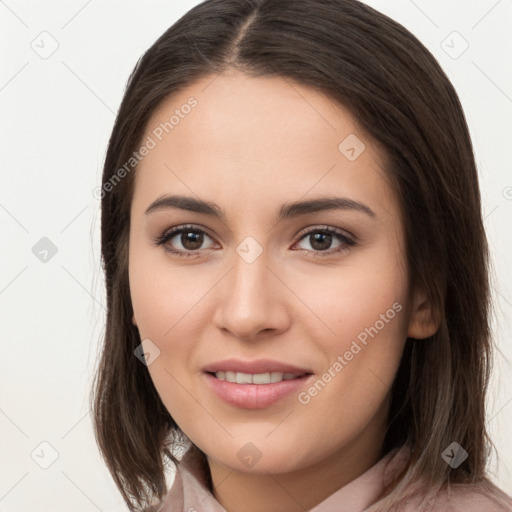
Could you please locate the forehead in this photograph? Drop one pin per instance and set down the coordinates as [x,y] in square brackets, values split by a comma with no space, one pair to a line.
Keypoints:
[257,138]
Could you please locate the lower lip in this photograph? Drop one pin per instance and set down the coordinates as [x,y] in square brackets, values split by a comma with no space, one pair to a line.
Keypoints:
[255,396]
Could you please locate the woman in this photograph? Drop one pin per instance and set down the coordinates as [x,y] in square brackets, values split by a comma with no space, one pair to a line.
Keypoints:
[296,270]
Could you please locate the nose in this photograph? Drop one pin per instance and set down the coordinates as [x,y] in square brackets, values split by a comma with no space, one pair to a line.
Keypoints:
[252,301]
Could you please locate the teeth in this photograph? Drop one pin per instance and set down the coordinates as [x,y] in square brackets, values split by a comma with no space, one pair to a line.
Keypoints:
[255,378]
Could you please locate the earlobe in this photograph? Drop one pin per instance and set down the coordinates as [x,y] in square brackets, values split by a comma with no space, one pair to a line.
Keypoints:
[423,321]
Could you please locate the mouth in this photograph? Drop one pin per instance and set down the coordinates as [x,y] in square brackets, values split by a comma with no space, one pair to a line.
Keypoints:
[255,391]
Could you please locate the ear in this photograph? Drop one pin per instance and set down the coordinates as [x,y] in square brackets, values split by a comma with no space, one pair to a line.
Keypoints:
[423,320]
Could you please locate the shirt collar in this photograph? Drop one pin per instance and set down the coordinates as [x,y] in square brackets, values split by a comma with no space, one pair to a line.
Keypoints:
[190,492]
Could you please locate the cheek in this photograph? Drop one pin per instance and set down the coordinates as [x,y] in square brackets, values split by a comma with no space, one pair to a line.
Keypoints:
[363,331]
[166,308]
[164,297]
[361,363]
[349,299]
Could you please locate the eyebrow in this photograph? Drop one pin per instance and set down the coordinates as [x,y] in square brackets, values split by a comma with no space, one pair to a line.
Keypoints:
[287,210]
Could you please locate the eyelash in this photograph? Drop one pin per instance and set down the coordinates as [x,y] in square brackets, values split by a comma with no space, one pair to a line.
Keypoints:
[346,241]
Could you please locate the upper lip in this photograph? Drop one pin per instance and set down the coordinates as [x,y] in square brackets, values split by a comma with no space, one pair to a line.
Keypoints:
[254,367]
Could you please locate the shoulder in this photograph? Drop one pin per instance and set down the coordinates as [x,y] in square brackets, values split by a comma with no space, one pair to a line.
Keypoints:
[480,497]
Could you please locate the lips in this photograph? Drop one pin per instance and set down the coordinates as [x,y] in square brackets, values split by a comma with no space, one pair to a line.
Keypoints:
[255,396]
[254,367]
[244,392]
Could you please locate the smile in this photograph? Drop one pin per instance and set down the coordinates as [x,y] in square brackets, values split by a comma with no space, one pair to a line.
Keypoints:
[255,391]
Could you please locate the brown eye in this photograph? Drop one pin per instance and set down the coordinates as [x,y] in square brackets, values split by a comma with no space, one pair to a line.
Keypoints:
[321,240]
[183,241]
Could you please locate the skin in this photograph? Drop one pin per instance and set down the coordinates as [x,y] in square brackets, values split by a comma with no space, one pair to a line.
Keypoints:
[251,145]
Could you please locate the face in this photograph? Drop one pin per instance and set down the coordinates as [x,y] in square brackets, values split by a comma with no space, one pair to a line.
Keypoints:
[322,288]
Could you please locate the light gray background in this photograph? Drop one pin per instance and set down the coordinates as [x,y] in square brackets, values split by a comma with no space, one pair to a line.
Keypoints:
[57,114]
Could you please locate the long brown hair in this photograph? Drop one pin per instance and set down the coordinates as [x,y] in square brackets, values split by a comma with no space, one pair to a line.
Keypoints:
[398,93]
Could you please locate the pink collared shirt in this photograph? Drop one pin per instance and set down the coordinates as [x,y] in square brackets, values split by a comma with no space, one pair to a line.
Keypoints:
[190,493]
